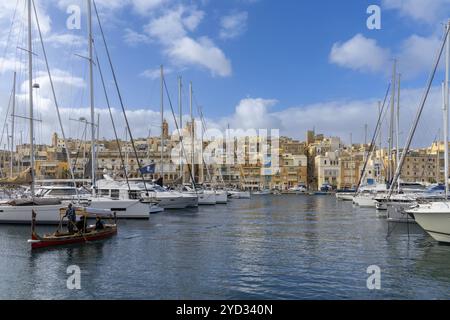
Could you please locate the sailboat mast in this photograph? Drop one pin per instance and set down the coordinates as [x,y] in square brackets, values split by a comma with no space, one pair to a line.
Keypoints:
[30,93]
[91,92]
[192,132]
[380,149]
[398,129]
[446,106]
[13,115]
[351,160]
[391,126]
[202,172]
[162,122]
[180,107]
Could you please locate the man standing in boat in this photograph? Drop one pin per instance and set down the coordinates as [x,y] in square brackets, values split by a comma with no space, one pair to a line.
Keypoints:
[72,217]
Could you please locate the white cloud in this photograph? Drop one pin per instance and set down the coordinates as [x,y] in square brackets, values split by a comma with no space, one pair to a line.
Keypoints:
[201,52]
[428,11]
[169,26]
[361,54]
[143,7]
[155,73]
[59,40]
[255,114]
[134,38]
[9,64]
[172,30]
[233,25]
[338,118]
[418,54]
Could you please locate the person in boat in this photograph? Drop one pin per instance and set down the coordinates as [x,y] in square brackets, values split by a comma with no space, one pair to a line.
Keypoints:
[99,224]
[72,217]
[81,225]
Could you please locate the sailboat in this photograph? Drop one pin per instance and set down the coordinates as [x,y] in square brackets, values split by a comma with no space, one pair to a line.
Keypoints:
[19,211]
[365,195]
[434,217]
[125,205]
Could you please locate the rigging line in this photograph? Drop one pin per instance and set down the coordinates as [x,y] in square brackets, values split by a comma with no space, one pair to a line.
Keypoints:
[373,142]
[120,96]
[419,112]
[179,134]
[9,35]
[112,119]
[55,100]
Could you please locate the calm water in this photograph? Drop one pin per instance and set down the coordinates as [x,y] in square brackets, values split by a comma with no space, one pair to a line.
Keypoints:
[285,247]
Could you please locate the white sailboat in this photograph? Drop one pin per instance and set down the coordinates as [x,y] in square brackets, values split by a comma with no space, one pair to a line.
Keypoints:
[126,201]
[434,217]
[19,211]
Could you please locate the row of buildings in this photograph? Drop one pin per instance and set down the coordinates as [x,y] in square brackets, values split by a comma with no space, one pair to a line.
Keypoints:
[319,161]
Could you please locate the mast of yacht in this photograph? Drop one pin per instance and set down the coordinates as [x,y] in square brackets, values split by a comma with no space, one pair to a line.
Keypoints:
[30,94]
[351,161]
[92,101]
[392,118]
[180,109]
[192,133]
[202,169]
[162,122]
[398,130]
[13,115]
[380,148]
[446,106]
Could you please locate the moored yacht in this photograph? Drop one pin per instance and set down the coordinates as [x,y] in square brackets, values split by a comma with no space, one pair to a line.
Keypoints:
[168,199]
[434,218]
[205,197]
[236,194]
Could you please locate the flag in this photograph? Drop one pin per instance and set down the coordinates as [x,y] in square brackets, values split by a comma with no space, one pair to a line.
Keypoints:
[150,169]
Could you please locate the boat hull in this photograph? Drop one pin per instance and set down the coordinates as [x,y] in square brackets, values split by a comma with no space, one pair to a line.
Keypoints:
[240,195]
[434,219]
[364,201]
[39,243]
[207,198]
[22,214]
[221,197]
[124,209]
[345,196]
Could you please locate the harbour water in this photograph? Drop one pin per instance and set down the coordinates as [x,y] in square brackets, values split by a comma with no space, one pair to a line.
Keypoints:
[269,247]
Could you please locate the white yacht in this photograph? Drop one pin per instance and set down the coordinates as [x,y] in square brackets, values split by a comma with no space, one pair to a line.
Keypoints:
[345,196]
[19,211]
[205,197]
[221,197]
[236,194]
[262,192]
[49,199]
[365,198]
[434,218]
[168,199]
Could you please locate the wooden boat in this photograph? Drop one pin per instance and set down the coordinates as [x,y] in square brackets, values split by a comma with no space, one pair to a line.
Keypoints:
[86,234]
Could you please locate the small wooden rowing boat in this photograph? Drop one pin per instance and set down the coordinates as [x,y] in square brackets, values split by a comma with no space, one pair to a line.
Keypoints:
[82,234]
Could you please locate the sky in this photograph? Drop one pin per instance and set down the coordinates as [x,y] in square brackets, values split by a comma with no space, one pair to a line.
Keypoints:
[289,65]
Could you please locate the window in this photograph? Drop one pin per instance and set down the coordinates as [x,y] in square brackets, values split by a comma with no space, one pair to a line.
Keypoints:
[62,192]
[104,192]
[133,194]
[115,194]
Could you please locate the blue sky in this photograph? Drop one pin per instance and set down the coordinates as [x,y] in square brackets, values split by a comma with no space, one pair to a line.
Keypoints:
[288,64]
